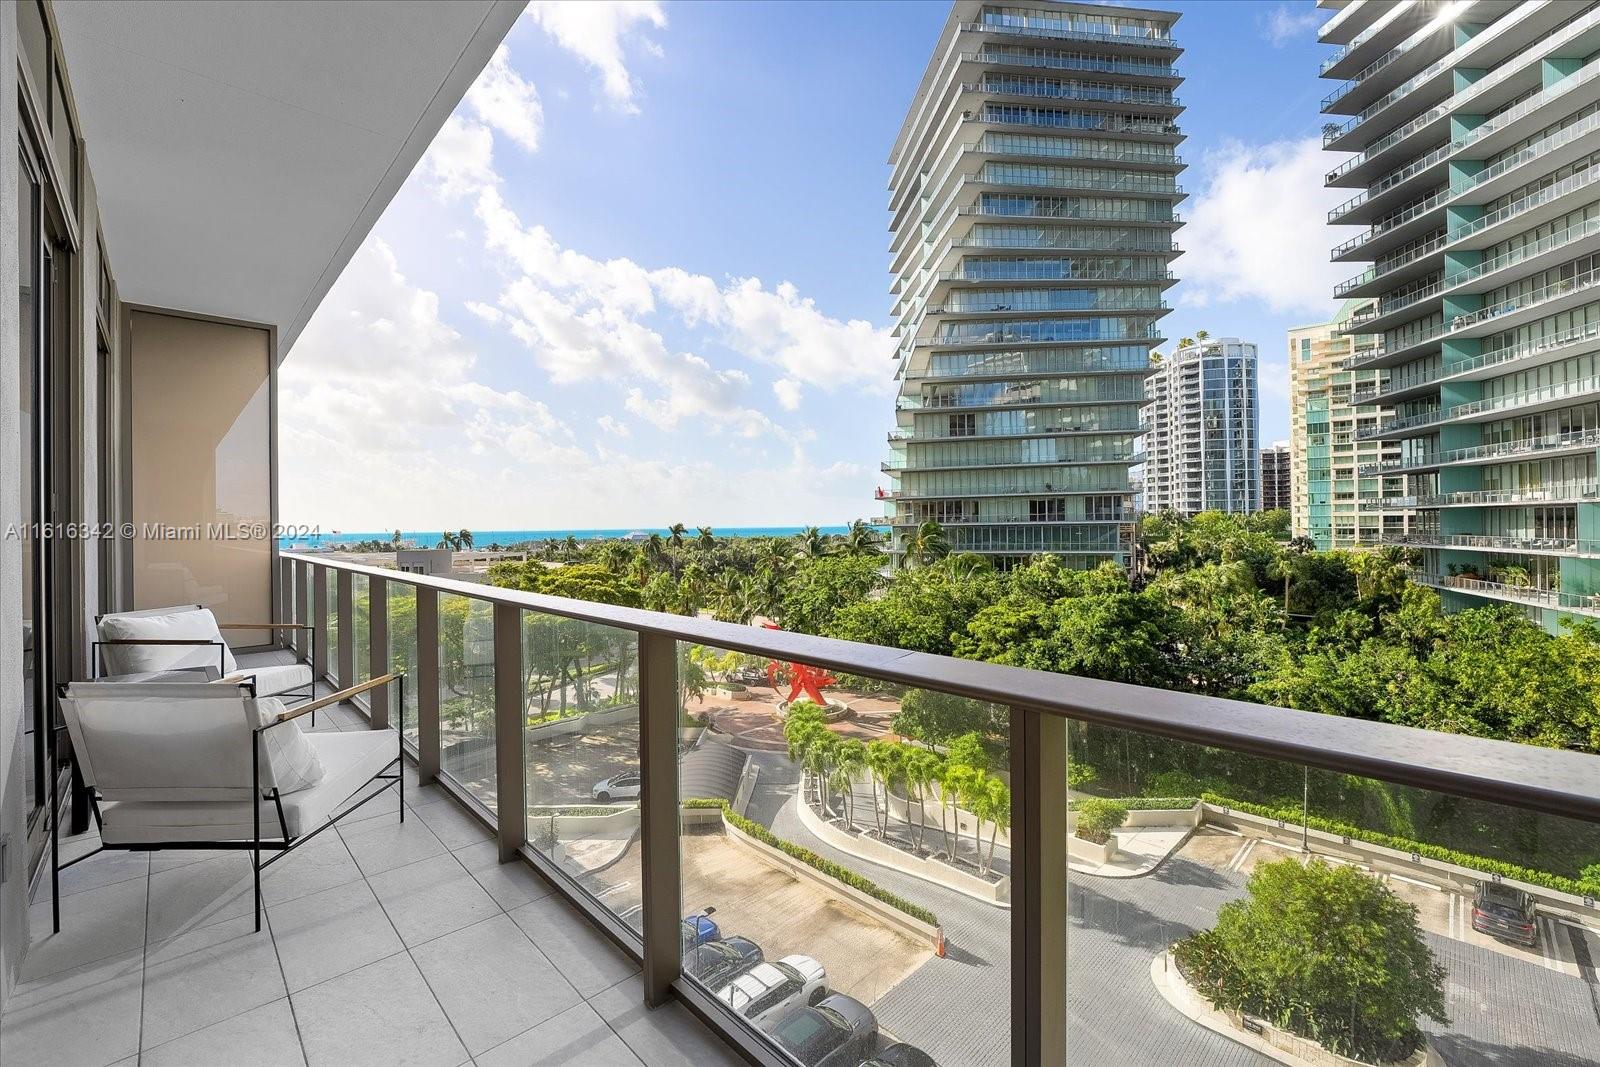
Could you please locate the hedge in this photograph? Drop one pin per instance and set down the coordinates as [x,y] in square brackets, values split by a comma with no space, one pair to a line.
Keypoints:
[814,861]
[1143,803]
[1575,886]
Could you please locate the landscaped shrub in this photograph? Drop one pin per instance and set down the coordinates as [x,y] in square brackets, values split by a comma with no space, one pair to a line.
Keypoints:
[1588,885]
[1145,803]
[1080,774]
[1326,952]
[833,870]
[1097,817]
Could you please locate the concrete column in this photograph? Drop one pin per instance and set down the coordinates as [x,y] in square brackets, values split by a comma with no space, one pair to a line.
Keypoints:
[427,682]
[658,819]
[1038,889]
[378,650]
[510,716]
[347,625]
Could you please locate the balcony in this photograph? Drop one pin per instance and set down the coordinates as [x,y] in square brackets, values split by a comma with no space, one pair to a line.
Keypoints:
[1558,493]
[1573,603]
[1527,546]
[1531,399]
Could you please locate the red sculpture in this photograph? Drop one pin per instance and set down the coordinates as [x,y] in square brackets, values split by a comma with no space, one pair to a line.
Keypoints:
[804,680]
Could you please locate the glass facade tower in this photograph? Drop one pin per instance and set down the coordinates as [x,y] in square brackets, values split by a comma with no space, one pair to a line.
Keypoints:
[1032,205]
[1203,448]
[1468,140]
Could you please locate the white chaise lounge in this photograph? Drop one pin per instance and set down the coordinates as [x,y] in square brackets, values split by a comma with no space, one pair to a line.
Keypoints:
[212,766]
[164,639]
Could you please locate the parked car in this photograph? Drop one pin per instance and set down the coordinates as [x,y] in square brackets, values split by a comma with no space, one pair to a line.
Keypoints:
[1501,911]
[835,1032]
[717,963]
[698,929]
[624,786]
[765,992]
[900,1054]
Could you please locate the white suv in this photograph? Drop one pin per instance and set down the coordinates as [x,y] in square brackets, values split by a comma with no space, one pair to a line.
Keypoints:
[765,992]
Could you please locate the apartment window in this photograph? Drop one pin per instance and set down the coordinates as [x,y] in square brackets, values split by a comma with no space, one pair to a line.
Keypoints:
[965,425]
[1047,510]
[1102,508]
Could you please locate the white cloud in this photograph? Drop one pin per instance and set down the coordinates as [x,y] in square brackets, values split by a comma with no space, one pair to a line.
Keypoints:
[1259,229]
[460,160]
[594,30]
[486,312]
[502,99]
[788,392]
[1284,23]
[613,427]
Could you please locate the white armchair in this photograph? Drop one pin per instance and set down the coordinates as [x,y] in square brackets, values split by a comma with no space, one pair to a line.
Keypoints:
[164,639]
[186,766]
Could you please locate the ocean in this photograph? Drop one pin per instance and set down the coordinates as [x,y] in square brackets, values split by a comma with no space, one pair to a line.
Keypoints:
[484,538]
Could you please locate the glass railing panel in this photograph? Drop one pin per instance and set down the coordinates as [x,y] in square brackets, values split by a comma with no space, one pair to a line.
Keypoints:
[361,628]
[1324,911]
[859,853]
[332,666]
[466,694]
[581,740]
[403,652]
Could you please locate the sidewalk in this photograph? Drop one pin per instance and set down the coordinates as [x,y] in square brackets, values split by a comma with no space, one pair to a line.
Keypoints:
[1139,851]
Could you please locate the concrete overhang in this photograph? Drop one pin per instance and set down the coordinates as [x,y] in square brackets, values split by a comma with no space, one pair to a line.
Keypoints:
[242,151]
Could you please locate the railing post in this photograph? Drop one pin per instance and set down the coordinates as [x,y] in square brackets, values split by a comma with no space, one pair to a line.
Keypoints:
[283,611]
[378,650]
[427,684]
[319,618]
[510,715]
[1038,889]
[658,817]
[302,606]
[347,626]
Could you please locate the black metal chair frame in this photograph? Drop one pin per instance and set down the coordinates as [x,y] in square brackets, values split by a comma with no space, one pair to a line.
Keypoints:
[284,843]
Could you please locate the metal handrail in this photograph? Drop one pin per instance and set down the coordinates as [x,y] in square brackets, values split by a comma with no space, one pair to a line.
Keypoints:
[1541,779]
[1507,449]
[1564,545]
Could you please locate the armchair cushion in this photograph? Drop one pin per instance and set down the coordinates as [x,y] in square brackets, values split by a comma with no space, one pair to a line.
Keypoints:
[287,750]
[188,623]
[277,678]
[350,761]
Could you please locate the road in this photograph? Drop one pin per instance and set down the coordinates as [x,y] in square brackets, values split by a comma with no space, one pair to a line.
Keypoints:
[1505,1011]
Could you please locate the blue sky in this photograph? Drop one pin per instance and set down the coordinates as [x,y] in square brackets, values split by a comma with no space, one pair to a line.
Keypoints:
[641,276]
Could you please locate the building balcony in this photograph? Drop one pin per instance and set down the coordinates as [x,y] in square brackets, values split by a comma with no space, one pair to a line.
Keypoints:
[1559,493]
[1394,270]
[1147,44]
[1522,546]
[1086,63]
[1555,444]
[1571,603]
[1526,402]
[1530,353]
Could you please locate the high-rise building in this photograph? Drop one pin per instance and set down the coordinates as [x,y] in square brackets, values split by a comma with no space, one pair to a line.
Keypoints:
[1335,502]
[1032,206]
[1277,482]
[1476,180]
[1203,446]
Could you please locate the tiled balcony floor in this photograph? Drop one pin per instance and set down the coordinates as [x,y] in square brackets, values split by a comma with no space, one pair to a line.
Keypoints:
[384,943]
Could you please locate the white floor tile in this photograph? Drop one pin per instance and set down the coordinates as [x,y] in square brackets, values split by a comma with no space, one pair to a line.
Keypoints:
[321,863]
[581,953]
[382,1014]
[95,924]
[662,1037]
[492,982]
[577,1036]
[263,1037]
[431,897]
[200,894]
[329,933]
[206,976]
[453,825]
[83,1017]
[511,884]
[380,845]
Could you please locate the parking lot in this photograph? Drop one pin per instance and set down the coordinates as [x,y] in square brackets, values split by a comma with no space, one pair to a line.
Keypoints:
[563,768]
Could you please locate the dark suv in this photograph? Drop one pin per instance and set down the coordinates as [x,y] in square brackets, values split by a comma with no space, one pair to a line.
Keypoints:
[1501,911]
[838,1031]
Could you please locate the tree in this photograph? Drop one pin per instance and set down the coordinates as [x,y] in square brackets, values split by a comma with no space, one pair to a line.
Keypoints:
[935,718]
[926,545]
[818,588]
[1326,952]
[884,760]
[706,540]
[810,543]
[464,539]
[849,760]
[675,534]
[861,539]
[1098,817]
[395,540]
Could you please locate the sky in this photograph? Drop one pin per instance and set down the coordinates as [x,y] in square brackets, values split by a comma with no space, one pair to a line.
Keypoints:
[641,275]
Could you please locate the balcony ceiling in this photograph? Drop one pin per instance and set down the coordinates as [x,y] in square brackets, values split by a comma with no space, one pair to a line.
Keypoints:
[242,151]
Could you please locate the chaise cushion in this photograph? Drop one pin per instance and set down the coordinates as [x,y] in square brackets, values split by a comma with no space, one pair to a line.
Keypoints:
[192,624]
[279,678]
[349,761]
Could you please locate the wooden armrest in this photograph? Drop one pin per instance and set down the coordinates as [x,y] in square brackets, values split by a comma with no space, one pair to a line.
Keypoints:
[265,626]
[335,698]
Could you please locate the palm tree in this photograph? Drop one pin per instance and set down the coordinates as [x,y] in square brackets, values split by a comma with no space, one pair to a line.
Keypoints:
[692,589]
[395,540]
[927,545]
[449,540]
[974,794]
[1185,342]
[849,760]
[1201,335]
[862,540]
[707,540]
[464,538]
[920,768]
[615,556]
[677,530]
[811,543]
[730,597]
[884,761]
[655,546]
[952,781]
[639,568]
[968,565]
[998,811]
[571,547]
